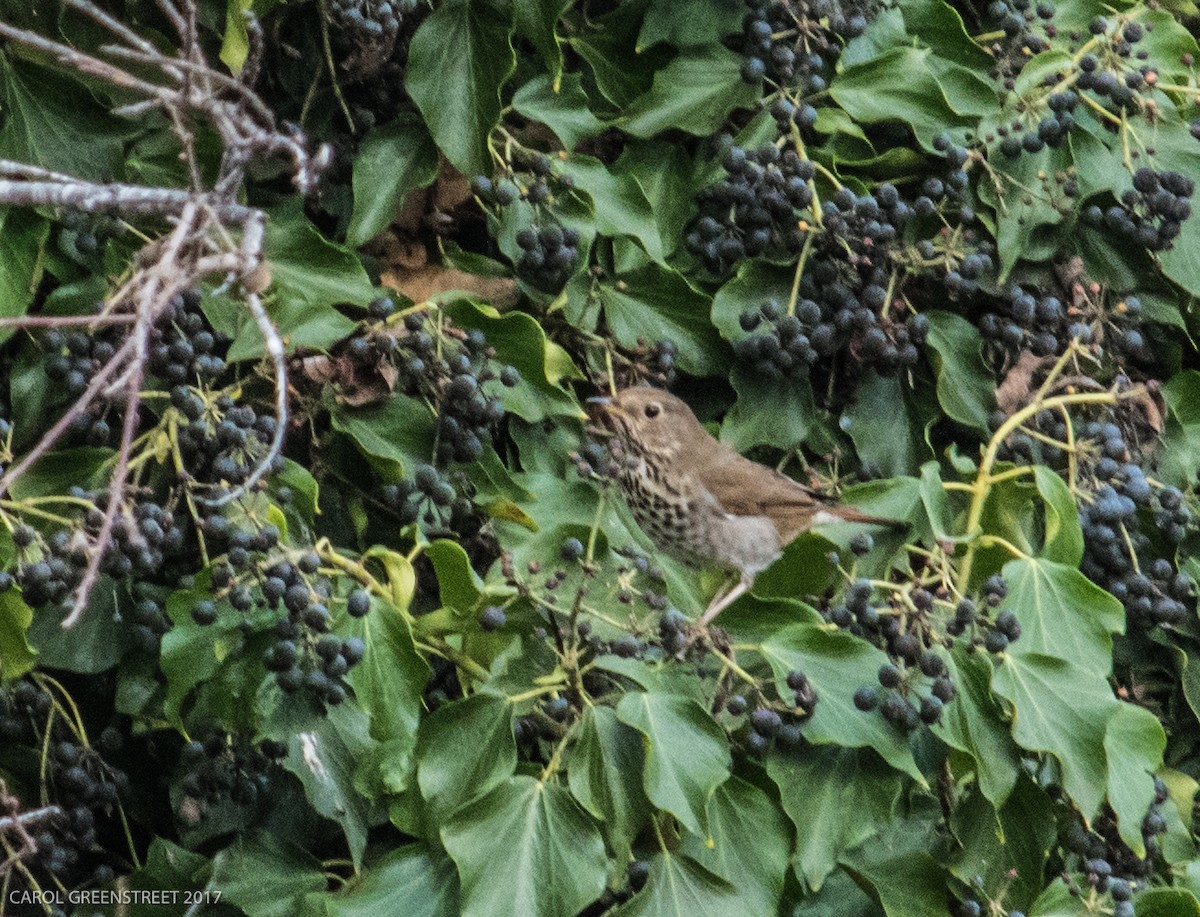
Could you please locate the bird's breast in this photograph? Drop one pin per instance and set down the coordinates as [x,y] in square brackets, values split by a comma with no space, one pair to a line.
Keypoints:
[684,520]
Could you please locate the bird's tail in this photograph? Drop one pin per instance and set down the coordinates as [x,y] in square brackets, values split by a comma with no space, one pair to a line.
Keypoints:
[846,513]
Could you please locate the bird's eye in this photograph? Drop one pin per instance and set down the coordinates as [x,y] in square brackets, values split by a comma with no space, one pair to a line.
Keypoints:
[652,409]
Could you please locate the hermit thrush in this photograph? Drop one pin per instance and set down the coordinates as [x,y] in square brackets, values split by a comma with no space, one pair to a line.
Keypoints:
[700,501]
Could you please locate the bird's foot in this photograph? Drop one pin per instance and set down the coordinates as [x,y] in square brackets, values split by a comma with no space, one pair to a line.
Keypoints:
[702,635]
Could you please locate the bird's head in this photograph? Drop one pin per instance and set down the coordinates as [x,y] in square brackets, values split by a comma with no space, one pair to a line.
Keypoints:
[652,423]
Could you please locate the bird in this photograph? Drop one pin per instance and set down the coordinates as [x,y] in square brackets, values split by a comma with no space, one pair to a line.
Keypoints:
[700,501]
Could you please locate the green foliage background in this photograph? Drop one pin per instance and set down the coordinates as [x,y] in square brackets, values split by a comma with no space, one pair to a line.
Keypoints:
[416,796]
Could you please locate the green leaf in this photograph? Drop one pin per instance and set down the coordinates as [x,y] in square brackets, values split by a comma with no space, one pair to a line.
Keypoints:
[1133,743]
[311,274]
[53,121]
[459,585]
[837,664]
[687,25]
[399,431]
[836,798]
[1167,902]
[326,761]
[458,60]
[24,233]
[389,685]
[695,92]
[886,425]
[656,303]
[450,779]
[975,724]
[768,412]
[604,768]
[1008,848]
[1062,614]
[1063,540]
[16,655]
[1063,709]
[1180,454]
[426,883]
[869,93]
[608,46]
[750,843]
[266,876]
[392,161]
[908,883]
[520,341]
[621,207]
[678,886]
[526,849]
[562,108]
[536,20]
[965,386]
[687,753]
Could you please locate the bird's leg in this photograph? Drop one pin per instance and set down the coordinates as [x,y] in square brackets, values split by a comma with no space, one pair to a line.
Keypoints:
[724,598]
[729,592]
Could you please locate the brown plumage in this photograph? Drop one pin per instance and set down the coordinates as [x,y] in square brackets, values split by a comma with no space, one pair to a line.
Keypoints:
[701,501]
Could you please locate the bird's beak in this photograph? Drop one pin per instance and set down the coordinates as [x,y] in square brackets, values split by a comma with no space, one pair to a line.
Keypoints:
[604,409]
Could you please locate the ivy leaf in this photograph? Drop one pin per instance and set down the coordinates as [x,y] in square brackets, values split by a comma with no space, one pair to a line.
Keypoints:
[399,432]
[537,21]
[837,664]
[527,849]
[678,886]
[562,106]
[621,208]
[393,160]
[24,233]
[426,883]
[52,120]
[604,768]
[1062,613]
[1167,902]
[767,414]
[16,655]
[389,684]
[869,93]
[655,303]
[459,586]
[310,275]
[1180,455]
[886,425]
[266,876]
[965,386]
[520,341]
[750,843]
[1063,540]
[1063,709]
[687,753]
[450,779]
[1008,847]
[975,724]
[836,798]
[458,60]
[908,883]
[695,92]
[326,761]
[620,73]
[1133,743]
[688,25]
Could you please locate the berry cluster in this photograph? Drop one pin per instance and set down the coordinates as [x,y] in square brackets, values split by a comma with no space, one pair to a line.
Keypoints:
[79,781]
[450,367]
[1151,213]
[182,347]
[431,500]
[549,251]
[752,210]
[362,23]
[225,767]
[223,440]
[785,42]
[1050,131]
[71,359]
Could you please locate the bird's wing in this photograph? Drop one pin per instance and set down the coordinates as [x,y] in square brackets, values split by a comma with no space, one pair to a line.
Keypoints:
[745,488]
